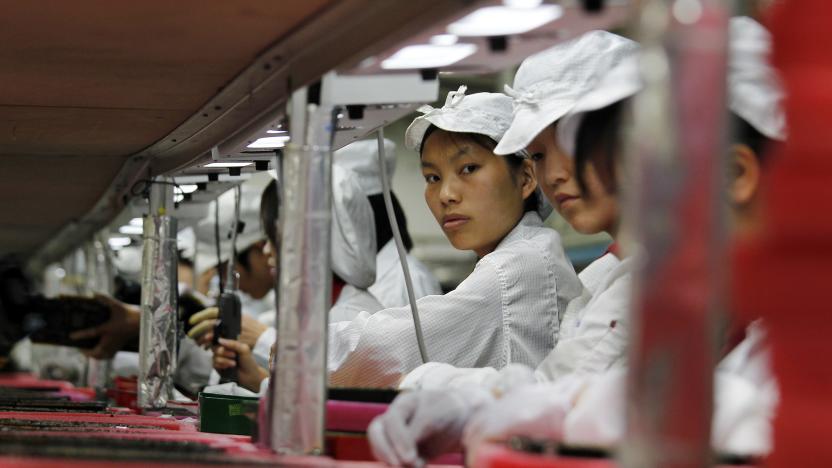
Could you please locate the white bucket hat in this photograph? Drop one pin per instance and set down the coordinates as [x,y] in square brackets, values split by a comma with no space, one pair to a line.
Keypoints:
[548,85]
[755,93]
[251,190]
[361,159]
[754,89]
[486,114]
[353,231]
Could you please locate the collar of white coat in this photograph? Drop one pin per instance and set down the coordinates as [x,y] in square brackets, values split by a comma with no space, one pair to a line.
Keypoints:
[387,258]
[529,219]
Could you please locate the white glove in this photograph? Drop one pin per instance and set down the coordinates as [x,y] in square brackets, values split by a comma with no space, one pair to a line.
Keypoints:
[422,424]
[743,416]
[535,410]
[597,420]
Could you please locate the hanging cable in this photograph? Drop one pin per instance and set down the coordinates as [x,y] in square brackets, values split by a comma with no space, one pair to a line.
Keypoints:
[217,242]
[235,227]
[397,236]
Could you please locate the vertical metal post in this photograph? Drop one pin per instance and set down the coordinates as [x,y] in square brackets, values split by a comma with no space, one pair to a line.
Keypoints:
[99,280]
[298,392]
[158,340]
[675,161]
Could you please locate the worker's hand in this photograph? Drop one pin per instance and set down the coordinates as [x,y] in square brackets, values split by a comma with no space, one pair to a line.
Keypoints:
[421,425]
[202,326]
[204,322]
[251,329]
[113,334]
[536,410]
[249,374]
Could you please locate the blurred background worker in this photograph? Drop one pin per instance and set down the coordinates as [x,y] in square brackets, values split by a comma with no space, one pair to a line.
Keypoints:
[361,160]
[254,283]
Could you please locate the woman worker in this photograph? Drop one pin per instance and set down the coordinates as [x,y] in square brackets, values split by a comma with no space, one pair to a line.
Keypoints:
[508,309]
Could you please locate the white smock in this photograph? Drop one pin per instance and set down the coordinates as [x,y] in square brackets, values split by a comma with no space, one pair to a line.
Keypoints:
[506,311]
[390,289]
[592,335]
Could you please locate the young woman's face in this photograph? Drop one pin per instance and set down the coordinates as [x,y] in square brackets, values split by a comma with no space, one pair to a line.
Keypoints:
[474,195]
[591,212]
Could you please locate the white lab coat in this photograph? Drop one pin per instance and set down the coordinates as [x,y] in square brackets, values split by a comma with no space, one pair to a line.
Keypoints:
[390,288]
[350,303]
[592,335]
[745,400]
[506,311]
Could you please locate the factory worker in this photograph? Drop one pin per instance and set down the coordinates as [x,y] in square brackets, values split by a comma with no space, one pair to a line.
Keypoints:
[361,159]
[353,266]
[255,285]
[587,409]
[507,310]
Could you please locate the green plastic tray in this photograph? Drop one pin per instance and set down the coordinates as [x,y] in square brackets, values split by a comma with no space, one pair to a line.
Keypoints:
[227,414]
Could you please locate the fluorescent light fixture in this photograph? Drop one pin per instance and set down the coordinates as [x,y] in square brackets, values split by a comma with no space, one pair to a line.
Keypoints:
[428,56]
[281,132]
[137,222]
[131,230]
[229,164]
[444,39]
[270,142]
[522,3]
[117,242]
[504,21]
[188,188]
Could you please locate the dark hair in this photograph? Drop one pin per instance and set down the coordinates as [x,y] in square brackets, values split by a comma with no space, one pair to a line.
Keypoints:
[269,205]
[514,161]
[383,230]
[597,143]
[745,133]
[598,138]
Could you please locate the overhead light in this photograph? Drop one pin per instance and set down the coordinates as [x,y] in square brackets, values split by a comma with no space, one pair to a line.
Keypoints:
[277,131]
[270,142]
[188,188]
[137,222]
[428,56]
[118,242]
[504,20]
[522,3]
[229,164]
[131,230]
[178,197]
[444,39]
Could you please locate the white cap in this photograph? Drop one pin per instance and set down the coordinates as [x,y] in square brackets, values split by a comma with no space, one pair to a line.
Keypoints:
[353,231]
[251,191]
[361,159]
[754,90]
[353,234]
[548,85]
[486,114]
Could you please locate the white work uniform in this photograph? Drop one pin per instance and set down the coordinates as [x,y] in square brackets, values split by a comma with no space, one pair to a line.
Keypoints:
[506,311]
[592,335]
[350,303]
[390,289]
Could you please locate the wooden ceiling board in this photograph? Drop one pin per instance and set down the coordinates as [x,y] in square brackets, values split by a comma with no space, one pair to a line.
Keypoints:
[155,84]
[39,195]
[27,130]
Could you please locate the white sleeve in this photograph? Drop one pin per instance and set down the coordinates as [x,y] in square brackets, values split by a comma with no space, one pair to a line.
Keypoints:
[464,327]
[263,346]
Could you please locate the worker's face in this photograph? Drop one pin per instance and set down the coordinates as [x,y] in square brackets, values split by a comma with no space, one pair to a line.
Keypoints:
[271,255]
[590,212]
[473,194]
[256,280]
